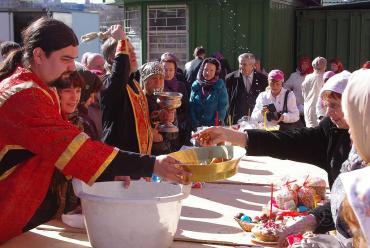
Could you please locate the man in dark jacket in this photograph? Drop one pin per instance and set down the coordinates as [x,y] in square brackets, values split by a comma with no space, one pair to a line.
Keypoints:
[192,67]
[243,87]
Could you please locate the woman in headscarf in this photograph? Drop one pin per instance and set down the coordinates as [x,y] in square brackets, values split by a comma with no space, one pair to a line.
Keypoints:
[208,98]
[356,206]
[356,209]
[295,80]
[320,108]
[276,104]
[308,145]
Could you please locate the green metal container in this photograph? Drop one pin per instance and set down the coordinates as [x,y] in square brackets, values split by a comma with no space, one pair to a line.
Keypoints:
[344,34]
[263,27]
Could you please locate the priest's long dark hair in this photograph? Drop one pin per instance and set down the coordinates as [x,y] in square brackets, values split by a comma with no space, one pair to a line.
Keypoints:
[48,34]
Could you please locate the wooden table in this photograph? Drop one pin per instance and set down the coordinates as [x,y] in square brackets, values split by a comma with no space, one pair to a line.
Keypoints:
[207,214]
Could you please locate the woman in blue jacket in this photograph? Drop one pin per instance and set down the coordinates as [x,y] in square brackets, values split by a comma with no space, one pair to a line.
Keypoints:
[208,97]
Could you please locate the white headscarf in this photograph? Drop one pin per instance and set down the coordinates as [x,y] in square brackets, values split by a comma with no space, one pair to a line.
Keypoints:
[337,83]
[356,109]
[357,188]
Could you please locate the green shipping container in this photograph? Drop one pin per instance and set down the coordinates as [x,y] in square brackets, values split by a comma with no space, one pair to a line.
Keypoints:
[263,27]
[343,34]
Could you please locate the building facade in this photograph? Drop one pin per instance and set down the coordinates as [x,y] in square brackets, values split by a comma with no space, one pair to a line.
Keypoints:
[263,27]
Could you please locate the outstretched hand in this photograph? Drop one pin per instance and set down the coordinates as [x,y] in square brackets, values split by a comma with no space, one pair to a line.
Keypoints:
[117,32]
[170,169]
[210,136]
[214,135]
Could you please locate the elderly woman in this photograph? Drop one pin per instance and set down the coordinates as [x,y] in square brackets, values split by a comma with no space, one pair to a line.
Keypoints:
[208,97]
[330,141]
[326,146]
[295,80]
[356,105]
[277,104]
[355,208]
[152,80]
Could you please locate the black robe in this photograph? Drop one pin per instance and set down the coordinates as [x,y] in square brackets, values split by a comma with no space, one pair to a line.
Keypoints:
[325,146]
[118,116]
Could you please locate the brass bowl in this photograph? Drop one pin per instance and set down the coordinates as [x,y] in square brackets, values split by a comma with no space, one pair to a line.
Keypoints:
[197,161]
[168,100]
[169,103]
[168,95]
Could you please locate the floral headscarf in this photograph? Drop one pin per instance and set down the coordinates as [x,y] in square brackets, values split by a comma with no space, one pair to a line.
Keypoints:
[149,69]
[356,109]
[201,79]
[357,188]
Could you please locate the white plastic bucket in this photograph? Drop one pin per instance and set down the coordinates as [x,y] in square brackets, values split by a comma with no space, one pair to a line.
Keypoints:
[144,215]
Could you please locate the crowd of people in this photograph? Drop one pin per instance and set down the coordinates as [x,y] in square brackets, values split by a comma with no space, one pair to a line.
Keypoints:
[98,120]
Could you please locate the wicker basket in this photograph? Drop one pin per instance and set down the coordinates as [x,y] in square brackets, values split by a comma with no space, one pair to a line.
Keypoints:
[246,226]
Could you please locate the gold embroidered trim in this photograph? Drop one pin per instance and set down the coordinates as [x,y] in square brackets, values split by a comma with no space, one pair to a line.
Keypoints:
[71,150]
[104,166]
[9,92]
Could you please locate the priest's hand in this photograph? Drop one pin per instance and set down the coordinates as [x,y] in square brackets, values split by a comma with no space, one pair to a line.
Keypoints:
[117,32]
[168,168]
[126,180]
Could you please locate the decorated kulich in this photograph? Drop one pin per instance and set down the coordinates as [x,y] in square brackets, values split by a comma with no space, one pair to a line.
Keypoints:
[268,232]
[205,162]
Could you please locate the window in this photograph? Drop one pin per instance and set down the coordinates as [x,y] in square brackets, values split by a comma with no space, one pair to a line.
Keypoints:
[167,32]
[133,29]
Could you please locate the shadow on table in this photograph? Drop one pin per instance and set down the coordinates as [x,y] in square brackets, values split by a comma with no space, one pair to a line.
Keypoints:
[75,236]
[31,239]
[254,171]
[235,195]
[207,227]
[199,213]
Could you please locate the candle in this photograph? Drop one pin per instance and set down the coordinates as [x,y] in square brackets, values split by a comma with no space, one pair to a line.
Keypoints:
[216,119]
[272,195]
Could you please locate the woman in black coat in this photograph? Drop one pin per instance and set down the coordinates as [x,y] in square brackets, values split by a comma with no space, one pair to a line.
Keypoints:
[326,146]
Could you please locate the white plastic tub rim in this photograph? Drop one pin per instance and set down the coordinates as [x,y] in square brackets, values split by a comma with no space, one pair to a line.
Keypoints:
[80,190]
[146,209]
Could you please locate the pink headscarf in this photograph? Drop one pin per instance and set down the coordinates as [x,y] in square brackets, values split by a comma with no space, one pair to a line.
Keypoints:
[276,75]
[328,74]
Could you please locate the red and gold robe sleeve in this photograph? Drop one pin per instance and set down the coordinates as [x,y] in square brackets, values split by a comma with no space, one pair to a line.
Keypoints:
[34,140]
[41,130]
